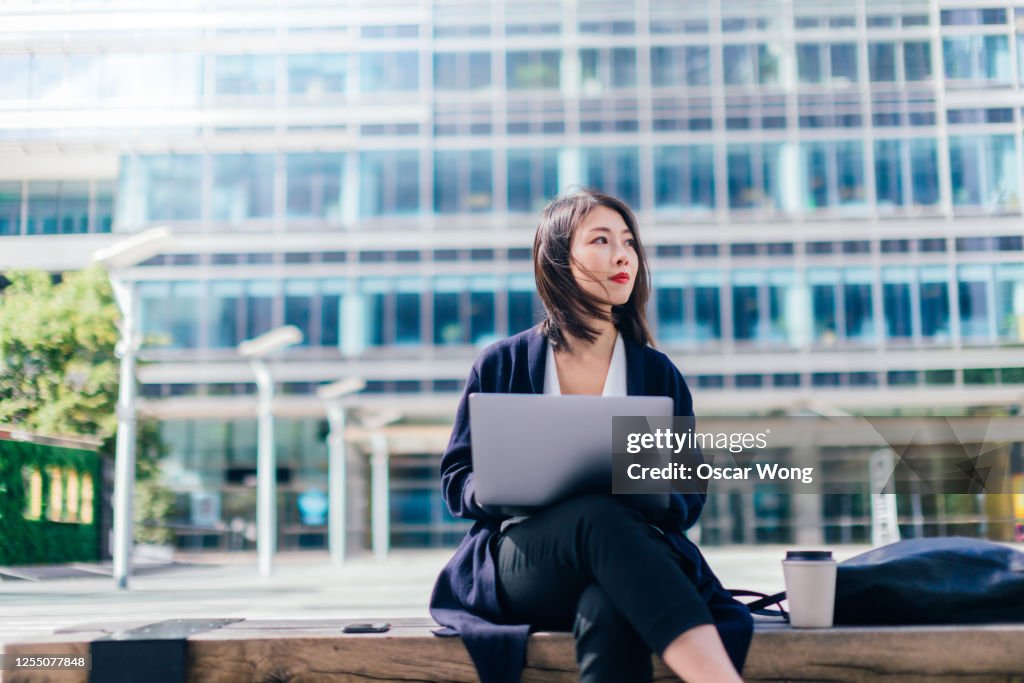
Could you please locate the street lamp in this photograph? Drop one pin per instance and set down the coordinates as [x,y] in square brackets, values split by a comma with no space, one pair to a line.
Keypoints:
[380,504]
[332,394]
[257,350]
[118,258]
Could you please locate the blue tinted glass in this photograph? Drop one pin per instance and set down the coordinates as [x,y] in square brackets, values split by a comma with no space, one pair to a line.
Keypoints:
[314,75]
[389,183]
[388,71]
[314,185]
[898,316]
[14,77]
[10,208]
[243,187]
[244,74]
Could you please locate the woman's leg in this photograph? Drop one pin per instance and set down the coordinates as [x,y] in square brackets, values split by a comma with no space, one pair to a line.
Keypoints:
[546,561]
[608,649]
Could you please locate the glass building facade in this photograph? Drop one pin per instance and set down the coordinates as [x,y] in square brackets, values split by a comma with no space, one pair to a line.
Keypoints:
[830,194]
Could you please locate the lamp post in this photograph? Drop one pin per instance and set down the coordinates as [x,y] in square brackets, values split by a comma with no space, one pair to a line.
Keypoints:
[118,258]
[332,394]
[380,504]
[257,350]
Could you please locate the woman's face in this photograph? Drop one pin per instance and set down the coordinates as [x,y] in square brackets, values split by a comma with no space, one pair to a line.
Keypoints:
[602,256]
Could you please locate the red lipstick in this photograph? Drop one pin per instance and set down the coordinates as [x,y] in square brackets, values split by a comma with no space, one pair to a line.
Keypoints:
[621,278]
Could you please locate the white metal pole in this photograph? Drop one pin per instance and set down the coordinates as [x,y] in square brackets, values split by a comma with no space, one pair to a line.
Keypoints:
[336,483]
[124,462]
[380,502]
[266,472]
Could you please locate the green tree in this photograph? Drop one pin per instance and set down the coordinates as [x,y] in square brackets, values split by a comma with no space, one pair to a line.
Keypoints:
[59,375]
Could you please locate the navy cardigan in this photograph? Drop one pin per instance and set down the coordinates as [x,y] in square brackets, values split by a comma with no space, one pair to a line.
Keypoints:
[465,597]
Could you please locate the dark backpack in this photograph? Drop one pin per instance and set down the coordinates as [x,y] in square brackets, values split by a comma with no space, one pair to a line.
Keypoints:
[932,581]
[922,581]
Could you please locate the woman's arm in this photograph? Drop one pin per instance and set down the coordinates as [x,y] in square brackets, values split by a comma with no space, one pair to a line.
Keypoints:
[457,484]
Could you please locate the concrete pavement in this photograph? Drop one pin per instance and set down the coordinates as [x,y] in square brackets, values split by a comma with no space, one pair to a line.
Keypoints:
[304,585]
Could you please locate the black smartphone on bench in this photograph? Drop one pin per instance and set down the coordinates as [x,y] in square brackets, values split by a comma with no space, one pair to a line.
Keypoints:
[367,627]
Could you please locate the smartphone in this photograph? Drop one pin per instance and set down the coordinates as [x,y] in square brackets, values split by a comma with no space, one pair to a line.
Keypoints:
[367,627]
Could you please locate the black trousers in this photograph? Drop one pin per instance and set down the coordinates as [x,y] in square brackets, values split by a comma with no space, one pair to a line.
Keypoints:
[595,566]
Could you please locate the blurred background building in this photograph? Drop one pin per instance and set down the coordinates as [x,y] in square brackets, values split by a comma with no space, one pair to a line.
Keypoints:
[830,193]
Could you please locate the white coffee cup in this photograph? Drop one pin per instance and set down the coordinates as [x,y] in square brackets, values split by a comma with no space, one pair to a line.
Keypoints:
[810,587]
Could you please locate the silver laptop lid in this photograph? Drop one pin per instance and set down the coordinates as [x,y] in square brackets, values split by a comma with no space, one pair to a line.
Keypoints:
[532,450]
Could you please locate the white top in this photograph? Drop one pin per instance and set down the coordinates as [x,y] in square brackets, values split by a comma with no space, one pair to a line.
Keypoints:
[614,385]
[614,382]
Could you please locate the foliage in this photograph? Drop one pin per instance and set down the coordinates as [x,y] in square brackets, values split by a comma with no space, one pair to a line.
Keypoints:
[60,375]
[57,344]
[38,541]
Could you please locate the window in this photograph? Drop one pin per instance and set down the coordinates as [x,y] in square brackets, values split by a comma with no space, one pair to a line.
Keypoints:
[532,178]
[169,314]
[482,310]
[10,208]
[389,71]
[389,183]
[857,305]
[165,188]
[1010,302]
[984,171]
[462,70]
[917,61]
[977,58]
[882,62]
[906,173]
[971,17]
[537,69]
[312,76]
[615,171]
[833,174]
[684,178]
[676,66]
[754,176]
[58,208]
[244,74]
[750,65]
[934,293]
[14,77]
[607,68]
[259,307]
[243,187]
[836,64]
[463,181]
[763,302]
[896,283]
[224,314]
[448,325]
[974,289]
[298,307]
[523,303]
[686,306]
[314,185]
[331,300]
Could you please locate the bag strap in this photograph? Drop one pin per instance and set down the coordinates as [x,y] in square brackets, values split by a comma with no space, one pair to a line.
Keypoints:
[763,601]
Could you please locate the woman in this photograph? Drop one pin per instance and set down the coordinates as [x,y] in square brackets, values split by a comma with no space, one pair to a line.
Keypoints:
[625,587]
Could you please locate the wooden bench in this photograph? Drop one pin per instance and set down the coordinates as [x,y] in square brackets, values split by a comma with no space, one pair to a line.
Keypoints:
[317,650]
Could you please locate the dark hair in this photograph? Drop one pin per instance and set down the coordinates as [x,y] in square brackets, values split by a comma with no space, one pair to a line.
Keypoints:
[566,303]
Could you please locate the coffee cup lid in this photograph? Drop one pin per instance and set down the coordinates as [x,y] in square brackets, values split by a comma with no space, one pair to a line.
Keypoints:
[808,554]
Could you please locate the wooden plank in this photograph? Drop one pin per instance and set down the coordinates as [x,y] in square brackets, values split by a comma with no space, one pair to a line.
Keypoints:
[317,650]
[913,654]
[54,644]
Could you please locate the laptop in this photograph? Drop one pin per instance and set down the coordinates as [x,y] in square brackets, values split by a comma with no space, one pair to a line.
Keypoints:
[533,450]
